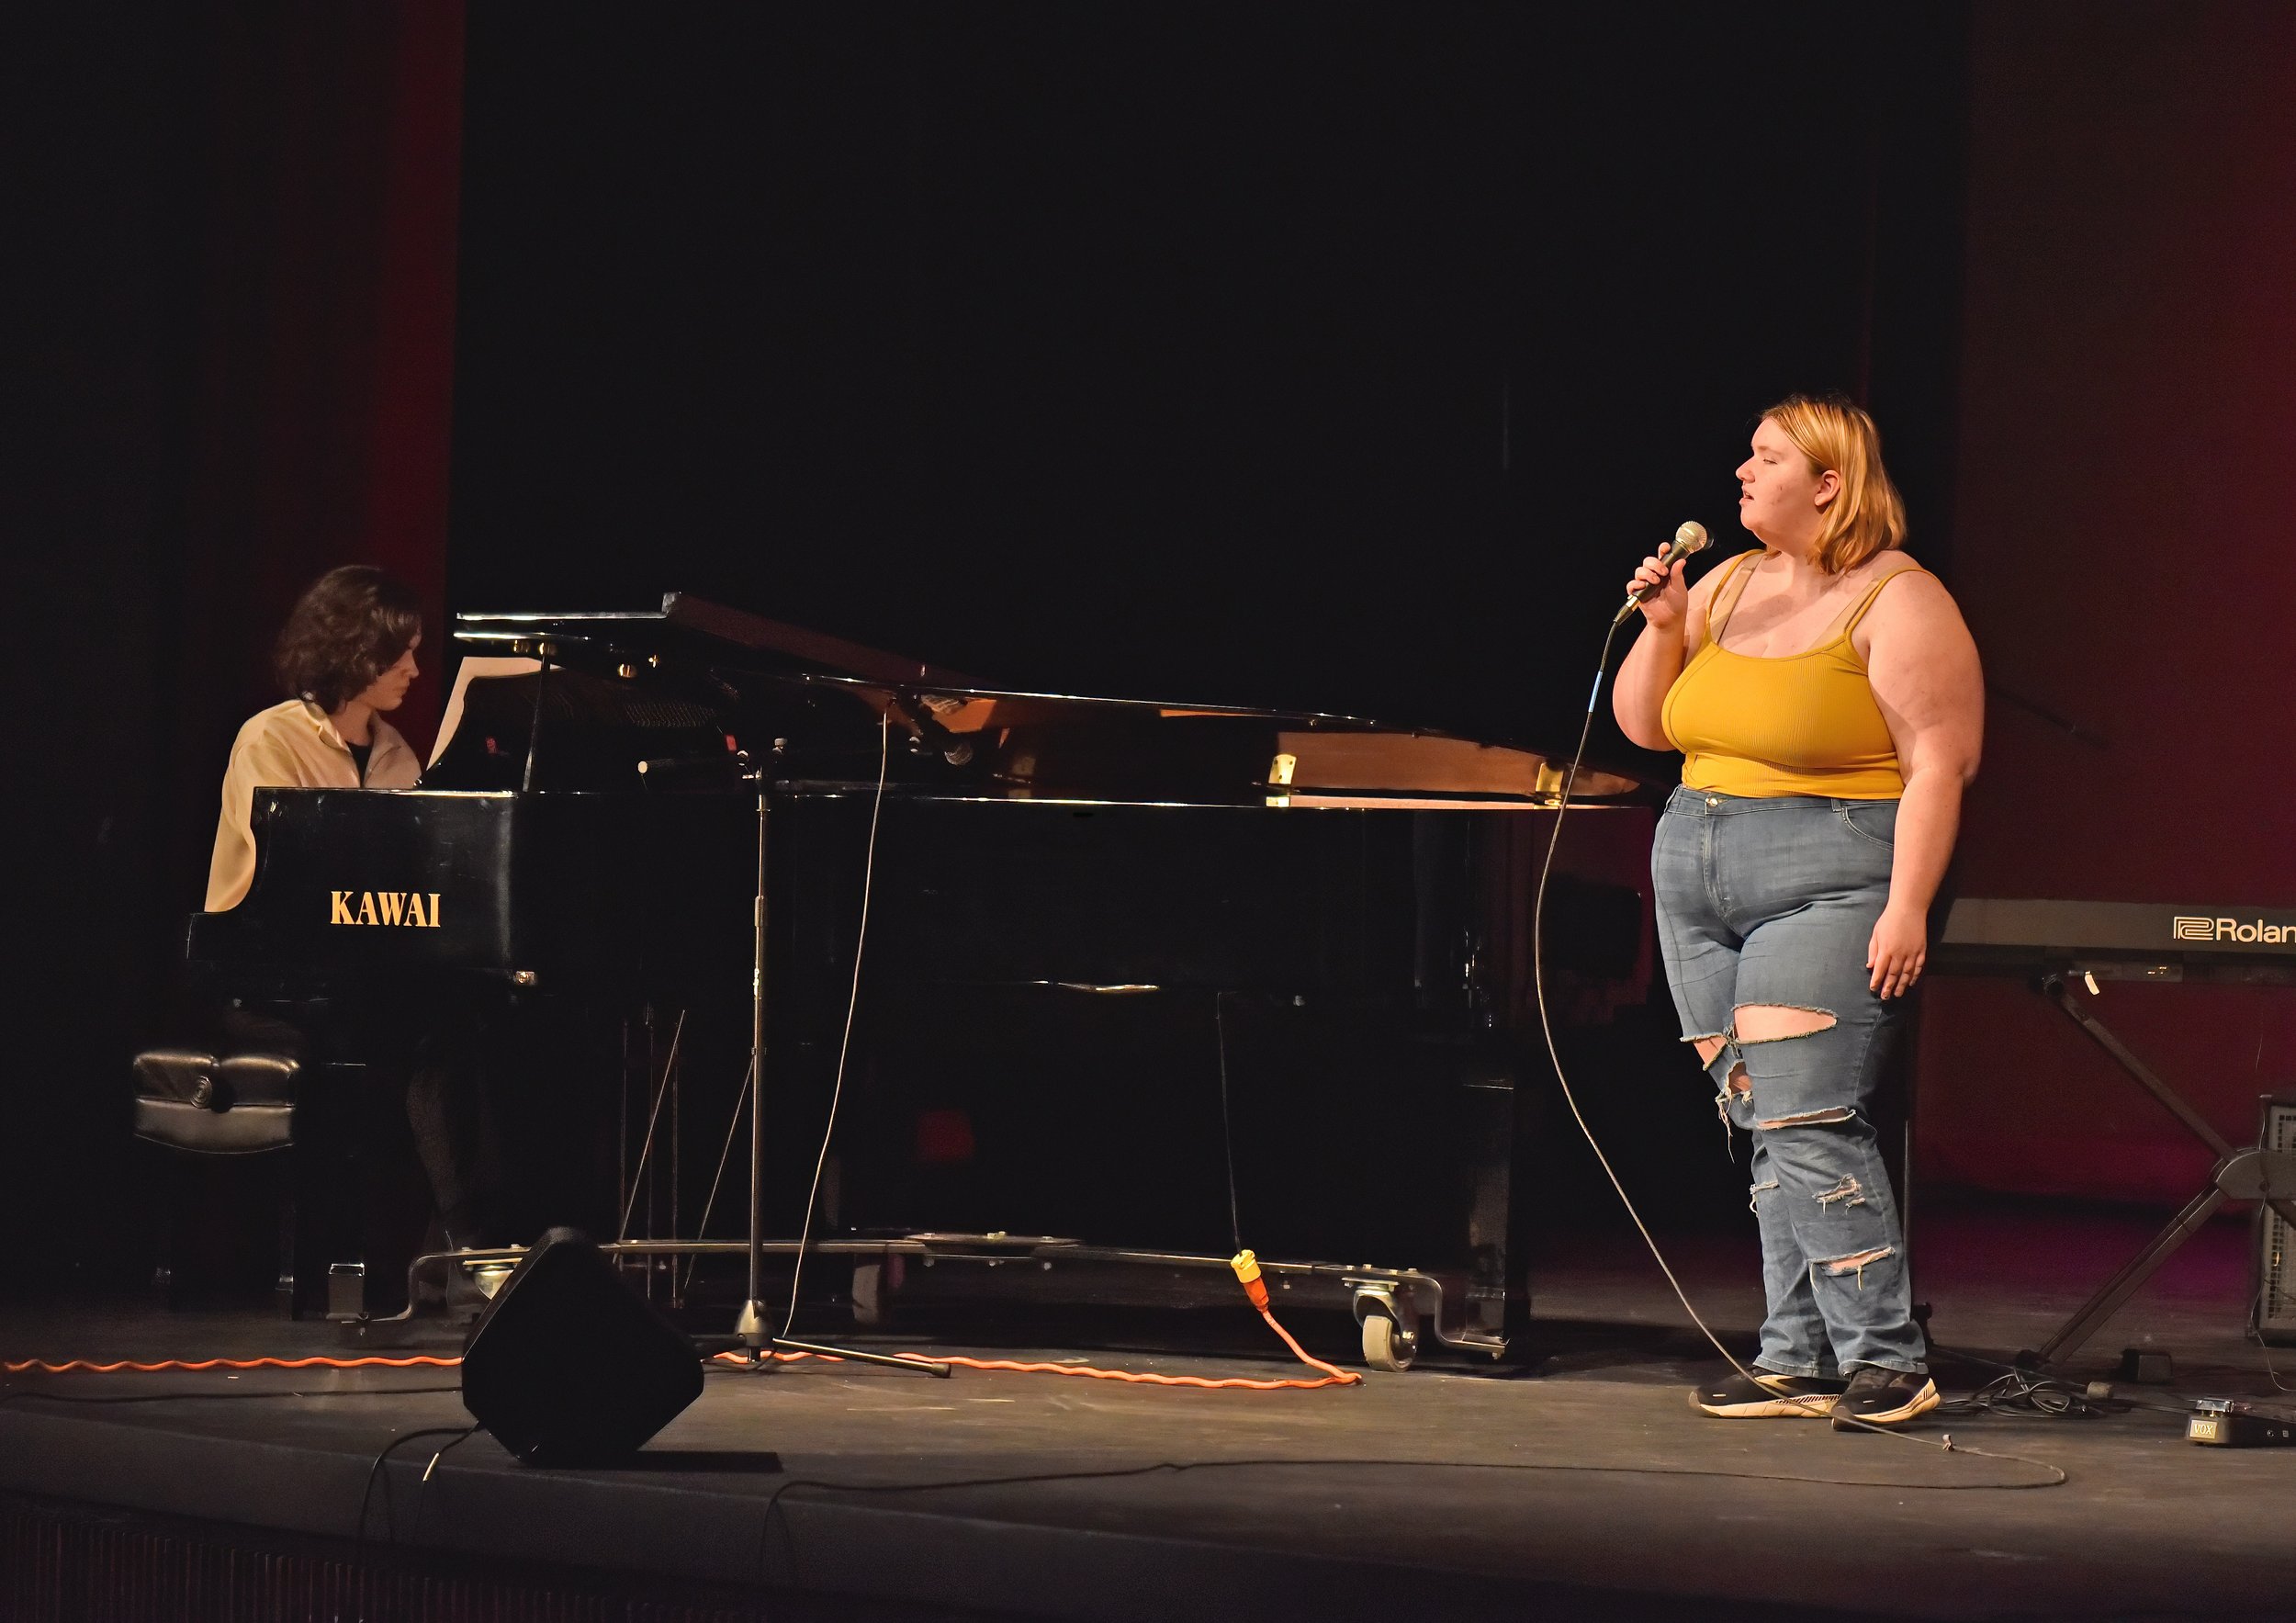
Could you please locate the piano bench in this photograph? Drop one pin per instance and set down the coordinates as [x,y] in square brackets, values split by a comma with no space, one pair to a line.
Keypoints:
[203,1107]
[238,1105]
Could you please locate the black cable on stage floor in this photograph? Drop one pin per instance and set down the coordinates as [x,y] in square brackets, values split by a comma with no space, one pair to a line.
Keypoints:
[358,1544]
[2098,1397]
[2025,1391]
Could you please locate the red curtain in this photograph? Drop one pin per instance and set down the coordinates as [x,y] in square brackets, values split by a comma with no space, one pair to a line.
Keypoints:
[324,300]
[2127,472]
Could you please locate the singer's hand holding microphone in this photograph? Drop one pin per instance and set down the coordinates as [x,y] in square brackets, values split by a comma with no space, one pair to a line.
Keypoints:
[1657,588]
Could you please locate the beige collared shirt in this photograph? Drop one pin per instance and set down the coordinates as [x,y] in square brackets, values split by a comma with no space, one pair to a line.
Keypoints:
[292,746]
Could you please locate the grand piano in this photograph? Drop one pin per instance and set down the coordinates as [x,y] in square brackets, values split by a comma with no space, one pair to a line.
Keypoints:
[1143,982]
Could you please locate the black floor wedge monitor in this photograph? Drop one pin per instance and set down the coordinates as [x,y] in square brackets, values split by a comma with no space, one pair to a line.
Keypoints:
[568,1366]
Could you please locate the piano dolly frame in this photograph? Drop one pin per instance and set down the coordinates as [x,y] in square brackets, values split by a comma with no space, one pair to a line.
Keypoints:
[2249,1173]
[1393,1308]
[1391,1305]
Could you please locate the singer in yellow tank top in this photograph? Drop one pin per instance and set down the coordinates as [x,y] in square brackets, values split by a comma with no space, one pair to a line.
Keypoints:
[1793,723]
[1827,703]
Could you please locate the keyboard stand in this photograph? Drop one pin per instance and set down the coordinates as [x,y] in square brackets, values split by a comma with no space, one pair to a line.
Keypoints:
[2252,1173]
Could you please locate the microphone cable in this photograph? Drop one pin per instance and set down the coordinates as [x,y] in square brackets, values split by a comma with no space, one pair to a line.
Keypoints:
[852,1002]
[1570,1098]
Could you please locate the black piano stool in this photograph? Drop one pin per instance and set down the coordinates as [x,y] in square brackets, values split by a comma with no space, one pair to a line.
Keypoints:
[202,1110]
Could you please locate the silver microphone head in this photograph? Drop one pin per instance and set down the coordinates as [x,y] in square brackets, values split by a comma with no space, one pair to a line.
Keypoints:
[1688,539]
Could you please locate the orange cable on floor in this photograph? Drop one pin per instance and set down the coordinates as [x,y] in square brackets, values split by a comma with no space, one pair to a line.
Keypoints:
[25,1366]
[1247,1273]
[1140,1377]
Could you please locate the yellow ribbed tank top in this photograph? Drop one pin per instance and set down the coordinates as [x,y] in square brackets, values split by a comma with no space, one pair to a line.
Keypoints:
[1803,724]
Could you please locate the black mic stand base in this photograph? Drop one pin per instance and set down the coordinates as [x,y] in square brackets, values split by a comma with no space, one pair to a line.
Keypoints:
[754,1331]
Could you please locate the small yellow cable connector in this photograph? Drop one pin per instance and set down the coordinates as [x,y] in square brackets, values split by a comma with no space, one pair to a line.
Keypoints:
[1247,1274]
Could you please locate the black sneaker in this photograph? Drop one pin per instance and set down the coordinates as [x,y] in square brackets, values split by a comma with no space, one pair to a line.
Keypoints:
[1767,1397]
[1884,1397]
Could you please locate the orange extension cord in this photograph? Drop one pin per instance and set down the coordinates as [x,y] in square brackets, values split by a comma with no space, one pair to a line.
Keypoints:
[1247,1272]
[25,1366]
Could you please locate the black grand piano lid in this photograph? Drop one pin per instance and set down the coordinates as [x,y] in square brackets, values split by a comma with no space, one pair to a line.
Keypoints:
[685,678]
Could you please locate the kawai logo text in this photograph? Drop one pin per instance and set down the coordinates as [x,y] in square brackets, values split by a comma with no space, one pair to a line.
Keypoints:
[409,909]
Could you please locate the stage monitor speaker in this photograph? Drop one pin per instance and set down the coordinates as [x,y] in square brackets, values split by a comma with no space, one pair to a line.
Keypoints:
[568,1366]
[2276,1240]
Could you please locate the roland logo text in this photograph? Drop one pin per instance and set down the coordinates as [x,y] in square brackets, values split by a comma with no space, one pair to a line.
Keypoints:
[2230,929]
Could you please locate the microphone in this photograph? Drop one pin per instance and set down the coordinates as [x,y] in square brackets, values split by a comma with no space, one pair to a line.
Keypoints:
[693,772]
[1690,538]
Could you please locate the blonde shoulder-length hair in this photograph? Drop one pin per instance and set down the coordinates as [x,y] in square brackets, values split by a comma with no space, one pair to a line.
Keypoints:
[1868,516]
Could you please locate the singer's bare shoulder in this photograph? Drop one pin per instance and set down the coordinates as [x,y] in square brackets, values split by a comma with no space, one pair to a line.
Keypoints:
[1918,607]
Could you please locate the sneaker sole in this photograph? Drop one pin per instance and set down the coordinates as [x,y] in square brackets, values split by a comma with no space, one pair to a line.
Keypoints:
[1921,1403]
[1815,1407]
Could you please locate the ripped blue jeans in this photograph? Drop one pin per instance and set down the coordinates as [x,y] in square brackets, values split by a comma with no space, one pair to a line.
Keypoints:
[1770,903]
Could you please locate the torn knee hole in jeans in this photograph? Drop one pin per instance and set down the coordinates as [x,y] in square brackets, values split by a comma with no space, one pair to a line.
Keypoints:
[1848,1193]
[1755,1192]
[1857,1262]
[1808,1119]
[1778,1022]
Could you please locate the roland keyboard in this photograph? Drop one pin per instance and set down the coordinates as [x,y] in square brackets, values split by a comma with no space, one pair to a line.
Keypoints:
[2059,947]
[2117,941]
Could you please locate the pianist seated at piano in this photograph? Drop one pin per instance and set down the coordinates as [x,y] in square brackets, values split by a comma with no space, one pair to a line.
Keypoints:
[1828,704]
[344,659]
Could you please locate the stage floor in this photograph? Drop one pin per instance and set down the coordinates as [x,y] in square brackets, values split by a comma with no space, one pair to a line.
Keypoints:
[1582,1486]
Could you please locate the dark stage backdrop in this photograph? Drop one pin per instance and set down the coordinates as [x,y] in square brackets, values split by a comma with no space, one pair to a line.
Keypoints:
[1344,356]
[2128,478]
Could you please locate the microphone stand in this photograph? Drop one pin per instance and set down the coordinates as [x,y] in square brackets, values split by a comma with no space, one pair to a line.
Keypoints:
[544,651]
[754,1327]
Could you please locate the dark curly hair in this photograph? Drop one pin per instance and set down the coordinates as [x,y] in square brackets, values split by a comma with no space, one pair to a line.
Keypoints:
[347,628]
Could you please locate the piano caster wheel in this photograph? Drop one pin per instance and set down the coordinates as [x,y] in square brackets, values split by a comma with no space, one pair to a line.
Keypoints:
[1386,1344]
